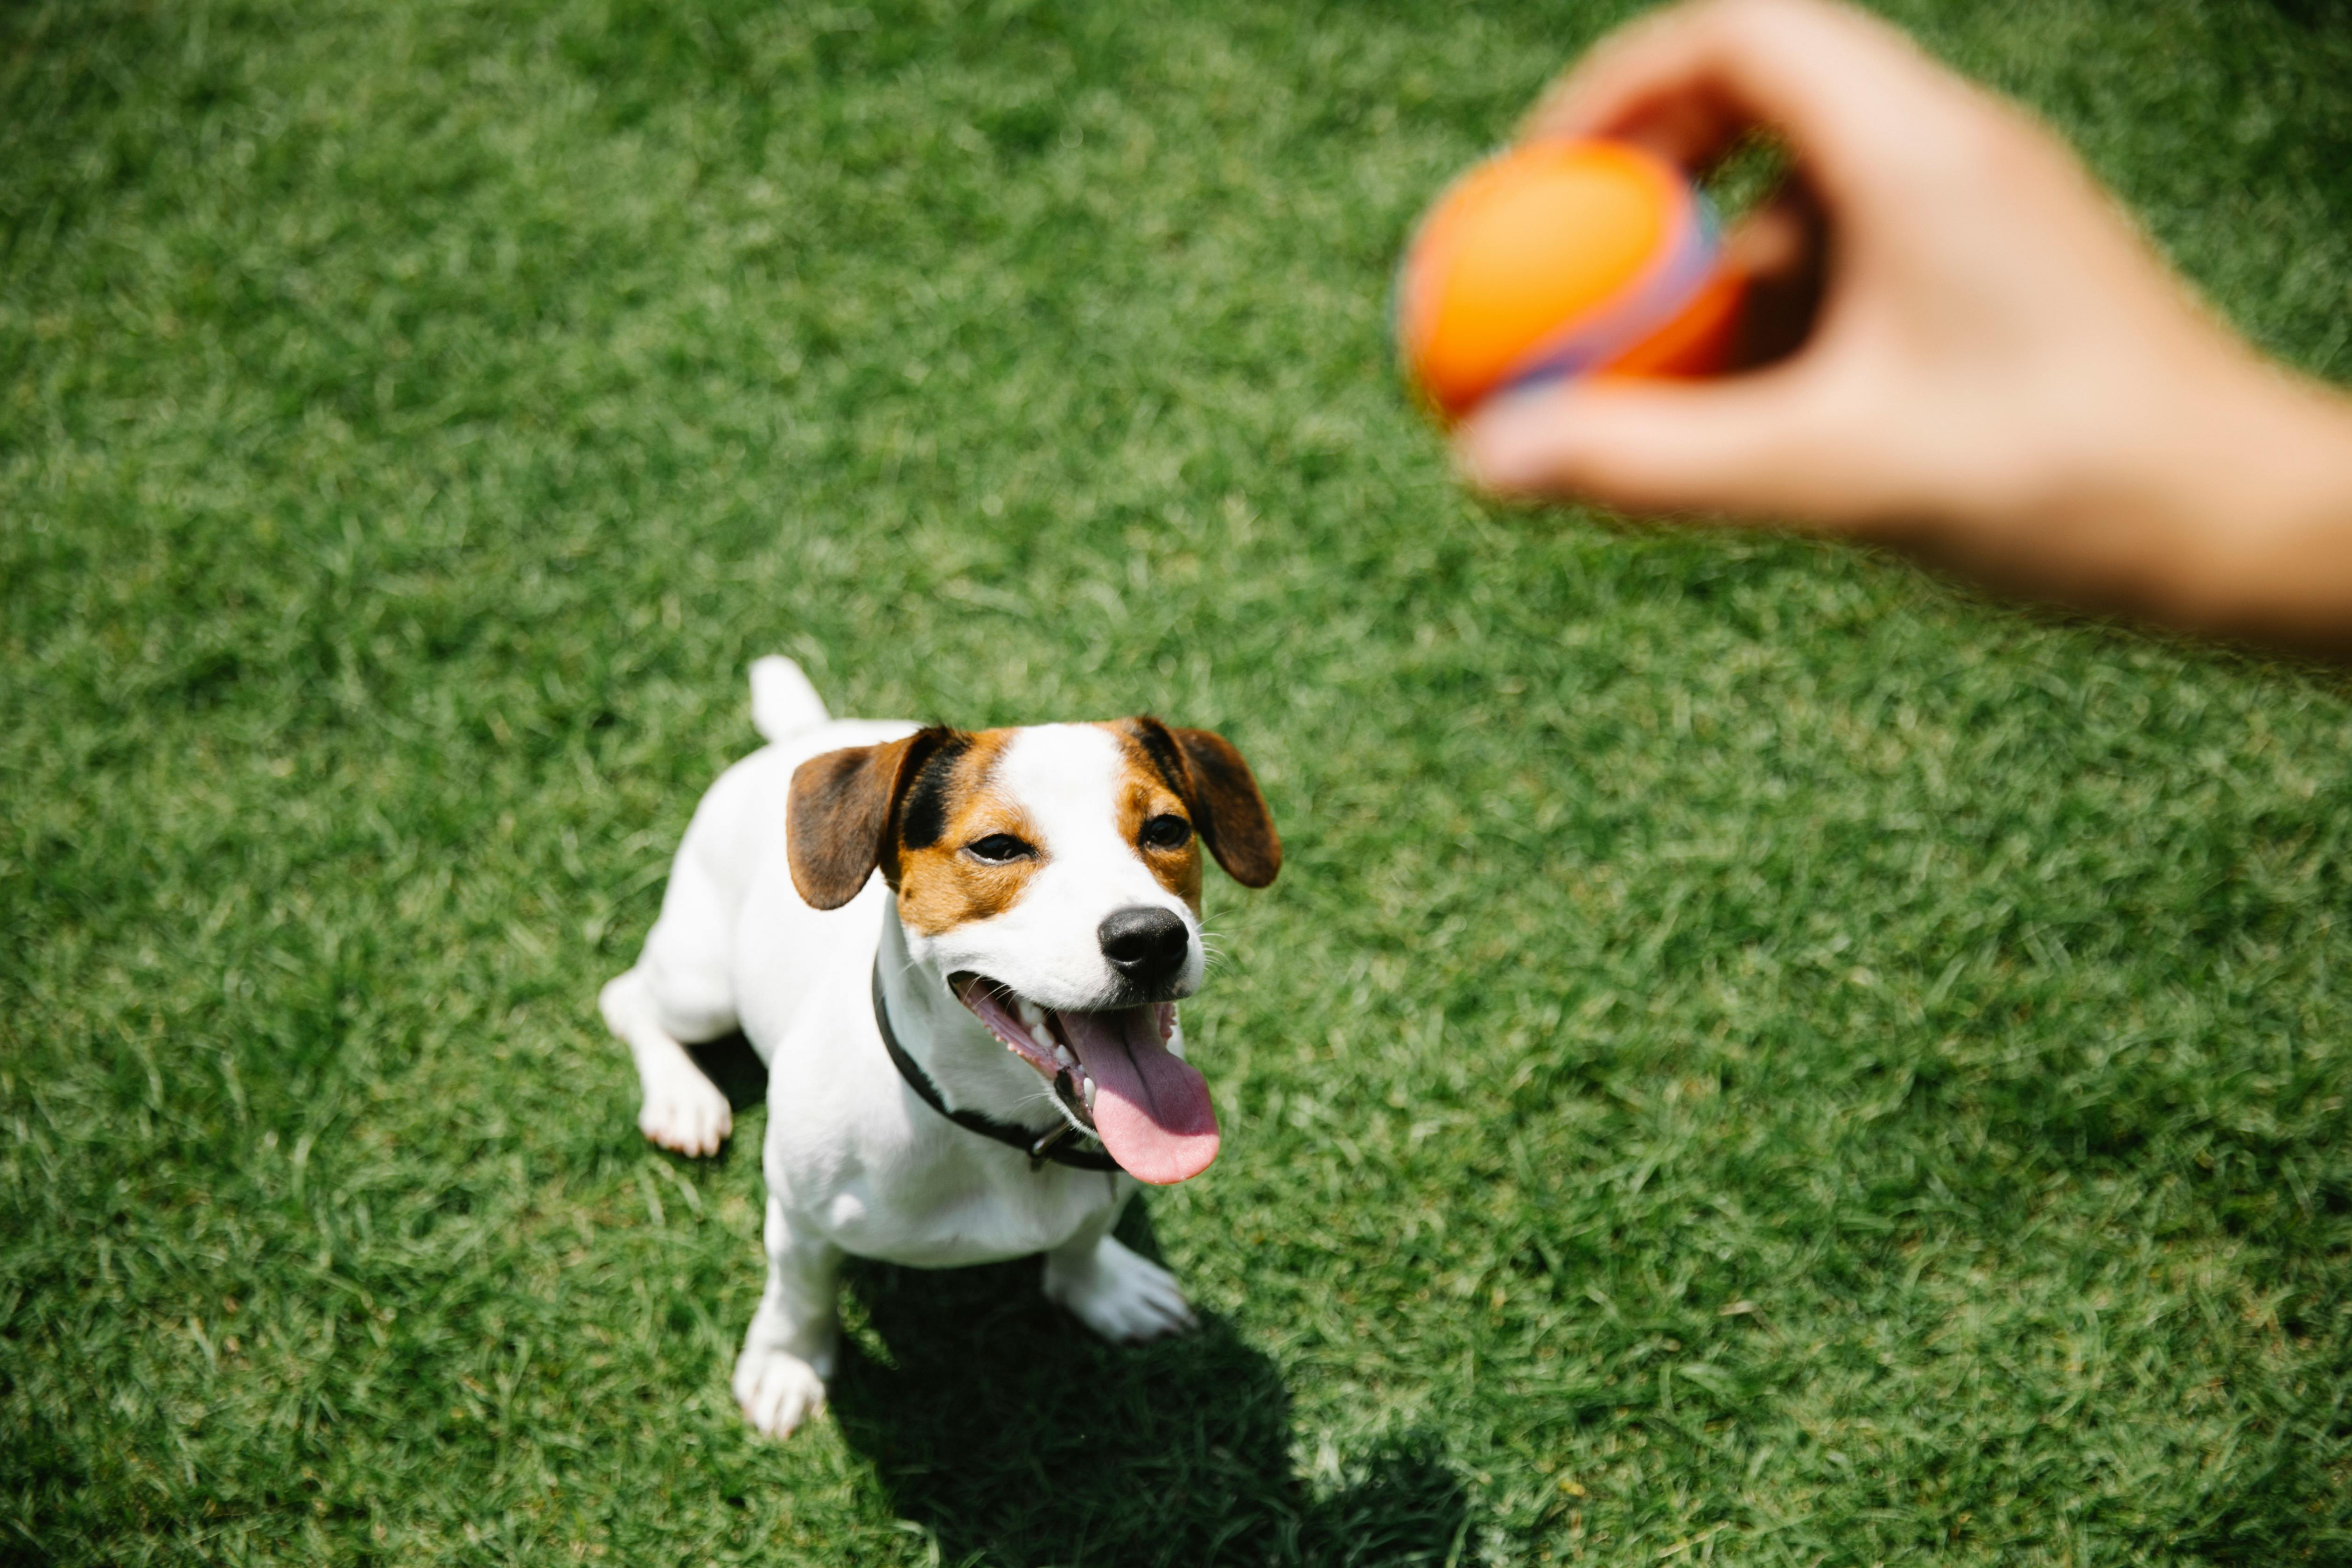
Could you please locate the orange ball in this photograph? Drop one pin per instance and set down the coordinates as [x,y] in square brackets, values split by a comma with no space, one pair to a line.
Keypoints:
[1562,259]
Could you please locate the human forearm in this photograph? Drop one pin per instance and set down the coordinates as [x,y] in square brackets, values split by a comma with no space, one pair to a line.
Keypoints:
[1991,366]
[2224,508]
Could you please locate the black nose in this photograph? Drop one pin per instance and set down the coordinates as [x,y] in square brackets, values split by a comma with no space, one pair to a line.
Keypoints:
[1145,945]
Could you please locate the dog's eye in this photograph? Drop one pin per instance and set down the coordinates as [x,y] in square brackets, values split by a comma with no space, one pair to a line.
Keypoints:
[1166,831]
[998,849]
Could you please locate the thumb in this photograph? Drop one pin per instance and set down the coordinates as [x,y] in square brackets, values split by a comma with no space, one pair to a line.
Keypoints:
[1748,447]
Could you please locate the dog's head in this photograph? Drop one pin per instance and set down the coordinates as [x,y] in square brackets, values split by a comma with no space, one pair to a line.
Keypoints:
[1052,878]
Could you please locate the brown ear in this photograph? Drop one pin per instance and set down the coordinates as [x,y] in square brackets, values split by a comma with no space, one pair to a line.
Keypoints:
[839,815]
[1228,811]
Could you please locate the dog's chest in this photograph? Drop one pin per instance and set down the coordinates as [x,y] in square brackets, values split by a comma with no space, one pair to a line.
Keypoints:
[883,1175]
[959,1207]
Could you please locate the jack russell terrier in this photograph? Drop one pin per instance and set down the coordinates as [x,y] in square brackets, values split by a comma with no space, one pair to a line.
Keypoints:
[958,954]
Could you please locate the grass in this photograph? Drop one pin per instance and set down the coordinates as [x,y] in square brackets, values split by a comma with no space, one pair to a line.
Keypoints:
[1755,1057]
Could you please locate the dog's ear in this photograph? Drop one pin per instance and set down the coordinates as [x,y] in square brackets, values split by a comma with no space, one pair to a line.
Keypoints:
[840,818]
[1227,810]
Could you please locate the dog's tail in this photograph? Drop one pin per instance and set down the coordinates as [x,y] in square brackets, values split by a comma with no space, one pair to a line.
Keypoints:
[784,703]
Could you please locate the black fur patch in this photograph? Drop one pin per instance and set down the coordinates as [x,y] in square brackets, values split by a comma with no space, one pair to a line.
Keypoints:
[1160,747]
[923,818]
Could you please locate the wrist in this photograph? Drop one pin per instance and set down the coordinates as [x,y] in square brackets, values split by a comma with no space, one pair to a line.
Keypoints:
[2259,494]
[2212,492]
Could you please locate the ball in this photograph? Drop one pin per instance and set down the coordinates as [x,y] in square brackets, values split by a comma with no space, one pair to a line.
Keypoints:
[1562,259]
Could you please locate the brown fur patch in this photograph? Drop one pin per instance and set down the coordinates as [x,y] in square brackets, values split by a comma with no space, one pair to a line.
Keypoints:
[1146,792]
[1220,793]
[939,886]
[838,817]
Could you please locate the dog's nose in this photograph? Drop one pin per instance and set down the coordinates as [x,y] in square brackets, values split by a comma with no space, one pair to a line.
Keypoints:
[1144,944]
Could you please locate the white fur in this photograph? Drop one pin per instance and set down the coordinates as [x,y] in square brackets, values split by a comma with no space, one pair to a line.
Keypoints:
[783,702]
[854,1163]
[1066,777]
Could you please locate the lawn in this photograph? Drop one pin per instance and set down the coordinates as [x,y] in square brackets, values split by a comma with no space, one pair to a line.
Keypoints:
[1755,1056]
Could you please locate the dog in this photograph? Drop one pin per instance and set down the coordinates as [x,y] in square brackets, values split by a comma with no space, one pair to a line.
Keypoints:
[960,955]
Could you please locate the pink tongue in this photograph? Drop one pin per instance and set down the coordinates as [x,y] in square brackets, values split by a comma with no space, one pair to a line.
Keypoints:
[1151,1107]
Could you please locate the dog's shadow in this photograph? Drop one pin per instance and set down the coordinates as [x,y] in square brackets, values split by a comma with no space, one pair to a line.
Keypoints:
[1015,1437]
[731,1063]
[1001,1426]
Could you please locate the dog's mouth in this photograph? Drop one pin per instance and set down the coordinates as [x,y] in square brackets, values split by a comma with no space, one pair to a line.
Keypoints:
[1112,1072]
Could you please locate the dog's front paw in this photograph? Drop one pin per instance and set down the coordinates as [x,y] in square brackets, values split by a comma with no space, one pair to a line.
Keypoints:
[685,1114]
[1120,1295]
[777,1390]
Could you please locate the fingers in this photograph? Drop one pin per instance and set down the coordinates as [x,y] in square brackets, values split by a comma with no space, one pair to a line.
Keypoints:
[1752,447]
[1757,443]
[1781,249]
[1689,81]
[1873,122]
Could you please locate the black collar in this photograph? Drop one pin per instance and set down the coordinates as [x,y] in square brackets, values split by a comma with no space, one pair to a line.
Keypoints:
[1053,1144]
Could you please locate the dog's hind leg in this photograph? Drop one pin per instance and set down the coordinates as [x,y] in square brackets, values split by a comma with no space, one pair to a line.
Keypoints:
[681,991]
[682,1109]
[789,1352]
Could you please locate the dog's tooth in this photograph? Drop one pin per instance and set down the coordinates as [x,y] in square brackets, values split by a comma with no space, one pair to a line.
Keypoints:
[1087,1087]
[1062,1055]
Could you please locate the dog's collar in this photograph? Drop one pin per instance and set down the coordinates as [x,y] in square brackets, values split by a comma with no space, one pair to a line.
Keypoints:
[1053,1145]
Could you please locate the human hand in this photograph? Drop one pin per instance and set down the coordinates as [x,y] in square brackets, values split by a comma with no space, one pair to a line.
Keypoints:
[1999,369]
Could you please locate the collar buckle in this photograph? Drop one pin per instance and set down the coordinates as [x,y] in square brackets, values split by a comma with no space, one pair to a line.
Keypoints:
[1047,1142]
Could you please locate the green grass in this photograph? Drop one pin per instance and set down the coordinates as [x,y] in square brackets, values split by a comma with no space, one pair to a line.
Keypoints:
[1755,1057]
